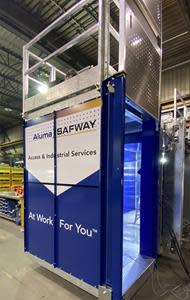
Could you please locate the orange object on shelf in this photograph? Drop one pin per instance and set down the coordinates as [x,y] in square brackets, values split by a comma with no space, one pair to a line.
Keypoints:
[19,190]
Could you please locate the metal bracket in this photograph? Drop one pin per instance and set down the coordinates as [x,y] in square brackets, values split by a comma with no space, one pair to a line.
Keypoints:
[105,293]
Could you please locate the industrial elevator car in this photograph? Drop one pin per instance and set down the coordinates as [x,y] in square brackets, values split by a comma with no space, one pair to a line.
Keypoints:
[91,158]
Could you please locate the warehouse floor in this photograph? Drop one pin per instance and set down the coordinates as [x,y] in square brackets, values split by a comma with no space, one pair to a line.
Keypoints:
[22,278]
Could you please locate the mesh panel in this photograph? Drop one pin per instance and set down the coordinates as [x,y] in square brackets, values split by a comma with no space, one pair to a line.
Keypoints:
[154,7]
[142,66]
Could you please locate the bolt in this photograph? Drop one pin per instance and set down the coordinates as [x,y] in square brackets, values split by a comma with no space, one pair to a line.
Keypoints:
[111,88]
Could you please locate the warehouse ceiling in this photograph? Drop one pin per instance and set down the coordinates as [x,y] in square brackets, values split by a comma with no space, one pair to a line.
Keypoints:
[26,18]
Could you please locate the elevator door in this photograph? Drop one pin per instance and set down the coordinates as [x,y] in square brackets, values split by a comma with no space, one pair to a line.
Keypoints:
[131,192]
[139,196]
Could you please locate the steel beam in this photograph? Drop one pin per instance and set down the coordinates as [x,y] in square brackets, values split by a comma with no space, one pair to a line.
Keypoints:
[11,124]
[9,116]
[11,144]
[16,97]
[185,10]
[4,64]
[8,103]
[114,33]
[12,53]
[58,22]
[176,65]
[104,39]
[11,78]
[25,79]
[10,60]
[122,34]
[4,90]
[175,37]
[10,87]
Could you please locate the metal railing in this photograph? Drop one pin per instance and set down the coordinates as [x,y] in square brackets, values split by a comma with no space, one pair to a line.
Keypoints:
[177,107]
[177,96]
[104,29]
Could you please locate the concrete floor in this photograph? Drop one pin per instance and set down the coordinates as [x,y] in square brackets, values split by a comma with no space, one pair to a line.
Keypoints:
[21,278]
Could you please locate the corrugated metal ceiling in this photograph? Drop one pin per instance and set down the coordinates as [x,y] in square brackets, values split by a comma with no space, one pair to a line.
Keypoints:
[176,36]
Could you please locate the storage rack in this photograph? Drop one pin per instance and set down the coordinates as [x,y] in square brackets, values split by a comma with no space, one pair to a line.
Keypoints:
[5,178]
[17,176]
[9,206]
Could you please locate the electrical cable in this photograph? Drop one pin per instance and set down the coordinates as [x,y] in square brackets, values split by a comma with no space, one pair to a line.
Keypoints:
[176,245]
[171,289]
[180,254]
[178,250]
[165,205]
[168,290]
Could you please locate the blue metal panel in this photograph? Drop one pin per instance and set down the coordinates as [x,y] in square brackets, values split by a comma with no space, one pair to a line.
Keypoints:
[96,257]
[149,189]
[78,212]
[80,204]
[25,194]
[56,222]
[39,210]
[112,151]
[130,176]
[39,221]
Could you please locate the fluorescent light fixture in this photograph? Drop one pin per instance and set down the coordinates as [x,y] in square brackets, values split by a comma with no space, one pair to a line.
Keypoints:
[43,88]
[163,159]
[136,41]
[8,109]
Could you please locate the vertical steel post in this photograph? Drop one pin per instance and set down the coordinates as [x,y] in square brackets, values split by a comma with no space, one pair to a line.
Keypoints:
[107,39]
[122,34]
[175,104]
[52,74]
[112,157]
[179,169]
[104,39]
[185,111]
[149,197]
[25,77]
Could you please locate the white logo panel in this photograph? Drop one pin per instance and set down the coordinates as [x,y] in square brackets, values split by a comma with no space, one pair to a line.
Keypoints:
[39,151]
[78,146]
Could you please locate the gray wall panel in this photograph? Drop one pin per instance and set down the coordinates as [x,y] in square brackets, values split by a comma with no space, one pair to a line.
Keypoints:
[175,78]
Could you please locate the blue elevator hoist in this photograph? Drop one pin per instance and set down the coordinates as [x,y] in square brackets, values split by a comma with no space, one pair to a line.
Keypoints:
[91,189]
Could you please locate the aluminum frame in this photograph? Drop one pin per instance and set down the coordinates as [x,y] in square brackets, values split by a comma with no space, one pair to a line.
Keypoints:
[104,28]
[179,169]
[176,108]
[172,181]
[68,277]
[176,155]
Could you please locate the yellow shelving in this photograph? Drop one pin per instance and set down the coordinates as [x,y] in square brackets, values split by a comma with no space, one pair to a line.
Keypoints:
[17,176]
[5,178]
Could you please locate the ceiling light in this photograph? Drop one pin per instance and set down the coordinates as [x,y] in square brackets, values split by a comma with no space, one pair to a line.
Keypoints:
[8,109]
[43,88]
[163,159]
